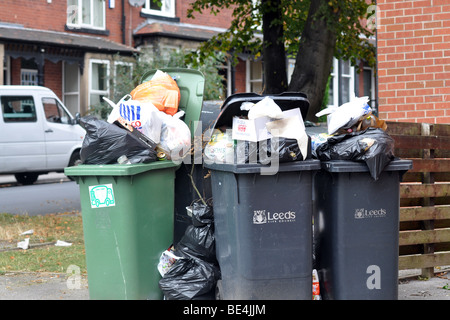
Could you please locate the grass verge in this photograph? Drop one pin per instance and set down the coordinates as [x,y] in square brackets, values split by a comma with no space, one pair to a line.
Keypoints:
[42,254]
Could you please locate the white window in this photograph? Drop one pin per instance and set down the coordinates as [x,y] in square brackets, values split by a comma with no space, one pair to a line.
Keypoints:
[71,87]
[342,83]
[254,73]
[54,112]
[86,14]
[99,81]
[28,77]
[164,8]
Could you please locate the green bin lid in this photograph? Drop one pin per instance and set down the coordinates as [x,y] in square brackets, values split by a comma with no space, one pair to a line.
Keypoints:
[191,83]
[117,169]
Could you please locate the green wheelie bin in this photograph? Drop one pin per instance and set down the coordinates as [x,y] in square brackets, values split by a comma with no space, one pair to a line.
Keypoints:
[128,212]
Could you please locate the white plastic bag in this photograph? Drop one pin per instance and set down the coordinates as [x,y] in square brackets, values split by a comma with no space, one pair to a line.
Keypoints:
[175,136]
[144,116]
[264,108]
[346,115]
[166,261]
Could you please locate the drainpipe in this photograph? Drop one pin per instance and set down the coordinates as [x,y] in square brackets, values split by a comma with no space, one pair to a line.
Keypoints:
[123,22]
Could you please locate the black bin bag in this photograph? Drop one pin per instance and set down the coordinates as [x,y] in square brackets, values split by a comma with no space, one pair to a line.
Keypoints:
[195,274]
[104,143]
[189,279]
[372,146]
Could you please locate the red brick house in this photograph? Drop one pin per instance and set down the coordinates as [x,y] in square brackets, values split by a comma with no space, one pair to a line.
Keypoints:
[413,42]
[70,46]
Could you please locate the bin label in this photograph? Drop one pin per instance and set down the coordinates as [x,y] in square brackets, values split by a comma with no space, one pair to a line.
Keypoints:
[262,217]
[364,213]
[102,196]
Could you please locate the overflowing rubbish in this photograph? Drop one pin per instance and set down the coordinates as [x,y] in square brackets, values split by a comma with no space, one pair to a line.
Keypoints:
[175,140]
[190,269]
[144,126]
[264,132]
[104,143]
[161,90]
[166,261]
[315,286]
[373,146]
[142,116]
[355,134]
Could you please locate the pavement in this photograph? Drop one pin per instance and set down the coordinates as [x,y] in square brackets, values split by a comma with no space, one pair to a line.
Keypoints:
[55,286]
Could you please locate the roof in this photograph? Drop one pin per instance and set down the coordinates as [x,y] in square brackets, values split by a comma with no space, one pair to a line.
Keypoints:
[177,30]
[63,39]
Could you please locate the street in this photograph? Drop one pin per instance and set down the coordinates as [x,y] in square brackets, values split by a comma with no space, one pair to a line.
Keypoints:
[52,193]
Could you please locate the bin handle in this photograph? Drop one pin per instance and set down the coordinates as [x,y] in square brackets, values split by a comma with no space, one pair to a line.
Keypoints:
[237,188]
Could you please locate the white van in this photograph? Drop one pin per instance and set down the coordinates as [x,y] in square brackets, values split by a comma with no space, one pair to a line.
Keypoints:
[37,133]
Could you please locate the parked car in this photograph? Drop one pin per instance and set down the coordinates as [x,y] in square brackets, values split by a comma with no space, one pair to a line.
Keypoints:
[38,134]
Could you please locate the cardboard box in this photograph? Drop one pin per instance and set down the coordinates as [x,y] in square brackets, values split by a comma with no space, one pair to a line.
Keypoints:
[255,130]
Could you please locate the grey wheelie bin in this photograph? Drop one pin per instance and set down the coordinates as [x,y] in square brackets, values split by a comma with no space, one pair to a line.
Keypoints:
[263,222]
[263,230]
[356,227]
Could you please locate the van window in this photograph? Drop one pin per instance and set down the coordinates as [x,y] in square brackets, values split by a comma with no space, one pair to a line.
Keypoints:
[18,109]
[54,112]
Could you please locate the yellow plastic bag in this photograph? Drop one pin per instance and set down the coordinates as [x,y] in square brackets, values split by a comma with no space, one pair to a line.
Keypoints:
[162,91]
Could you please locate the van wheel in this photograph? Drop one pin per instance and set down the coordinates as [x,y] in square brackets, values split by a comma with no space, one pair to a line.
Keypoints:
[26,178]
[75,159]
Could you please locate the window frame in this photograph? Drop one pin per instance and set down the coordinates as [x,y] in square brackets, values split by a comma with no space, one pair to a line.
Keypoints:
[250,81]
[17,117]
[95,91]
[67,94]
[62,116]
[32,73]
[170,13]
[79,18]
[336,83]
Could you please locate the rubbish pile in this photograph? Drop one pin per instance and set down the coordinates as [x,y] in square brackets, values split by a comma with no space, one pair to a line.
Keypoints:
[261,133]
[144,126]
[189,269]
[355,134]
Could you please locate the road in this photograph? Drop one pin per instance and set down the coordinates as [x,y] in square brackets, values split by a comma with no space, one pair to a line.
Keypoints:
[52,193]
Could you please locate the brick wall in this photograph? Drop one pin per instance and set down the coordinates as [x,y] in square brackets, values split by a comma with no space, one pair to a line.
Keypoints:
[39,14]
[413,40]
[53,77]
[222,20]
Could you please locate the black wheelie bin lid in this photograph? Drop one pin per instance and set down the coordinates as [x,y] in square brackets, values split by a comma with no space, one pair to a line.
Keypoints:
[286,101]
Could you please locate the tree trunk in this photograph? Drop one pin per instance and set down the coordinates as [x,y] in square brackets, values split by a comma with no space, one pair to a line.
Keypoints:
[275,77]
[314,59]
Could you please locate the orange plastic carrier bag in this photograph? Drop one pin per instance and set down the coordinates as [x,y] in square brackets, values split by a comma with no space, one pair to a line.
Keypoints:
[162,91]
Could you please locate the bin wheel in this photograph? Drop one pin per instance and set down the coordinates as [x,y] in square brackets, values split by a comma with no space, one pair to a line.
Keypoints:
[219,290]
